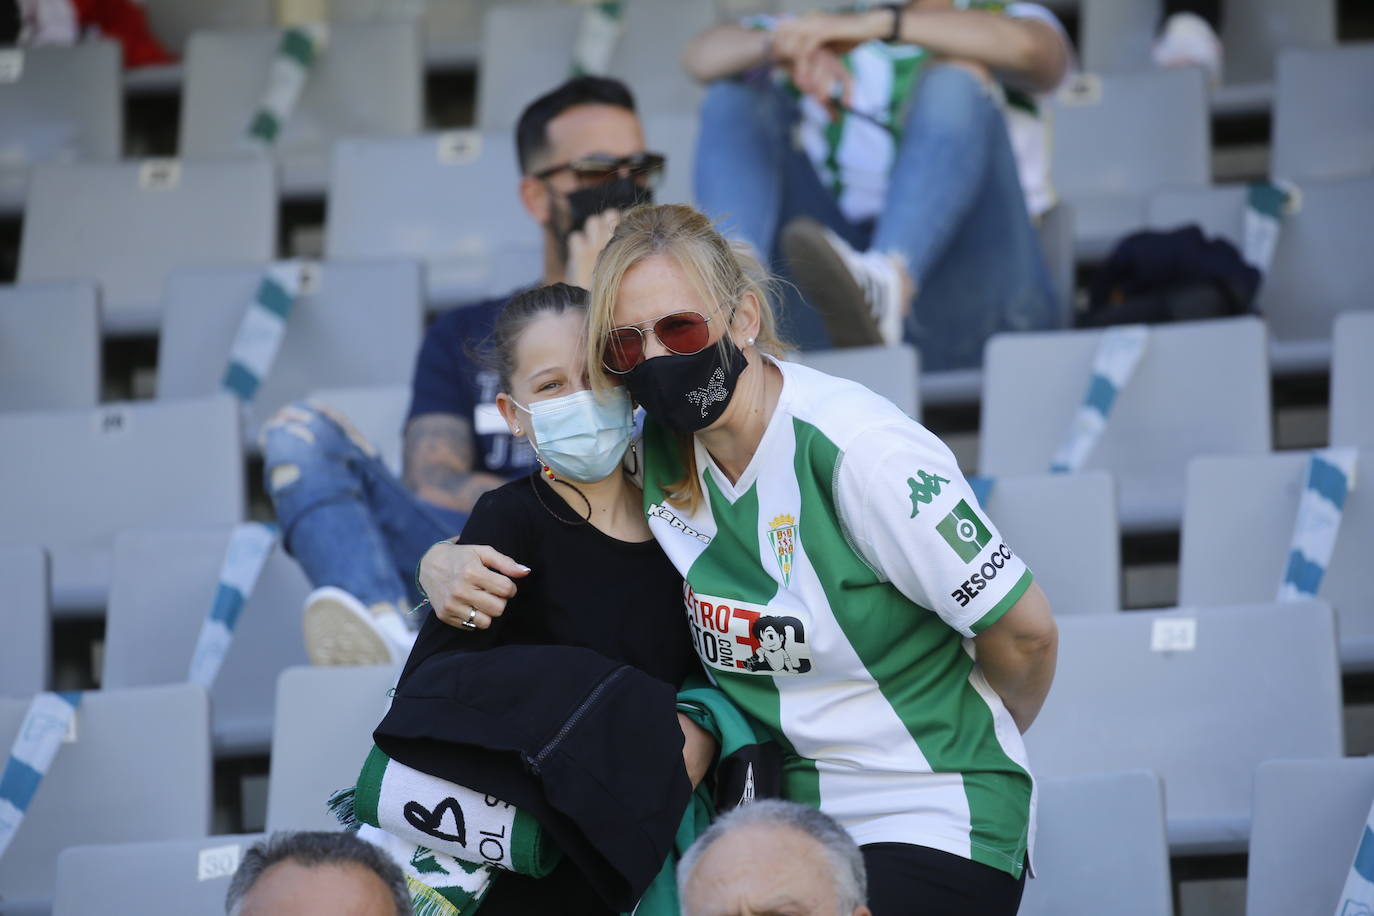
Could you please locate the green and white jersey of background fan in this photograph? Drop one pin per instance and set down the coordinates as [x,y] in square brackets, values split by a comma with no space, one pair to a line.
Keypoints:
[832,591]
[853,152]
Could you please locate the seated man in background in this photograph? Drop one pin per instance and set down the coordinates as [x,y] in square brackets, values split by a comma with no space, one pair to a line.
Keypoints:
[879,150]
[774,857]
[317,874]
[356,530]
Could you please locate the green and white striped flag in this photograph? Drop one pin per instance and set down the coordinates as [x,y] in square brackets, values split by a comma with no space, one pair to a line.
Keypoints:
[300,49]
[597,35]
[263,327]
[1266,203]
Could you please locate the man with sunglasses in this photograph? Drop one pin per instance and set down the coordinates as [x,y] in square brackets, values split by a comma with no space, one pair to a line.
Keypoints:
[876,153]
[357,531]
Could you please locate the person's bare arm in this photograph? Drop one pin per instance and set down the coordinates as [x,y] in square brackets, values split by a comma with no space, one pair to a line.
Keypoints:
[1026,52]
[437,461]
[698,749]
[1017,655]
[725,50]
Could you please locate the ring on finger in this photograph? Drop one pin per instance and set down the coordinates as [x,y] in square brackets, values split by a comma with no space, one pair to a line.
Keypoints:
[472,615]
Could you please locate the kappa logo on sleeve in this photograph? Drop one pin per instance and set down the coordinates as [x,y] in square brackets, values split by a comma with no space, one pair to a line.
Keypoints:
[924,490]
[964,532]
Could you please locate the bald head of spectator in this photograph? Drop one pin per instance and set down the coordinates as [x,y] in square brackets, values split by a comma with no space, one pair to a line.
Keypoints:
[317,874]
[773,858]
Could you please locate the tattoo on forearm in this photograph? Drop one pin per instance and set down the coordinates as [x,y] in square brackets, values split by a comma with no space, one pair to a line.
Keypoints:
[438,459]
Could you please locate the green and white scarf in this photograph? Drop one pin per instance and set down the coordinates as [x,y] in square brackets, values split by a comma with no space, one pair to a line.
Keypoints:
[439,885]
[299,51]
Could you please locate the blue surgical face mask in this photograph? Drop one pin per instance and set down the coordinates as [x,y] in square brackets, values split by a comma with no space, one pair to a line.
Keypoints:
[582,436]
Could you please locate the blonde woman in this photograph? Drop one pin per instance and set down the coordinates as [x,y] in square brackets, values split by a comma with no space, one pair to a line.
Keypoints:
[920,647]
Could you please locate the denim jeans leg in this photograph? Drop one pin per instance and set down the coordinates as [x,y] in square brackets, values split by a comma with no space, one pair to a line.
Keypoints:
[737,177]
[344,517]
[956,212]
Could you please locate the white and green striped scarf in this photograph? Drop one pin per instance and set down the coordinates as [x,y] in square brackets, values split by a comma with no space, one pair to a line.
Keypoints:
[299,51]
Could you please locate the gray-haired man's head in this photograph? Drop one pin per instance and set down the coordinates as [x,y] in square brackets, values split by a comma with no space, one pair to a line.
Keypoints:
[317,874]
[773,857]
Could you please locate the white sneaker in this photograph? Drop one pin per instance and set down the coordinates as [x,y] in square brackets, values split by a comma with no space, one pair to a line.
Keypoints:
[859,294]
[340,631]
[1188,40]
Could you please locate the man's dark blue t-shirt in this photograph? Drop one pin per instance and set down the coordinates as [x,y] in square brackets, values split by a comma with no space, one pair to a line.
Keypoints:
[452,376]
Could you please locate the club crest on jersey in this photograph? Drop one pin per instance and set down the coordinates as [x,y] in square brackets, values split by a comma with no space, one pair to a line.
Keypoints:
[782,535]
[745,638]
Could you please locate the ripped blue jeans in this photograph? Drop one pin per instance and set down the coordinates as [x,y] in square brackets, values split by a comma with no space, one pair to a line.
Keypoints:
[344,516]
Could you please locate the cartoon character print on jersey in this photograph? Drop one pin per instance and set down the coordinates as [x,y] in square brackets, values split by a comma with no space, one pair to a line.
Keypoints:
[772,635]
[744,638]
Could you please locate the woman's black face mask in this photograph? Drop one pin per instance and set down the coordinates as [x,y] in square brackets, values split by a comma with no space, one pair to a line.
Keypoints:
[687,393]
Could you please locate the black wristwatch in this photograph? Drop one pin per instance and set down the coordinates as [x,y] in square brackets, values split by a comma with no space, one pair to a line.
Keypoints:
[896,35]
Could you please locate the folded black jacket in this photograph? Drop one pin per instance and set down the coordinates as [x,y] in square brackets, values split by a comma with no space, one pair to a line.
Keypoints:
[589,746]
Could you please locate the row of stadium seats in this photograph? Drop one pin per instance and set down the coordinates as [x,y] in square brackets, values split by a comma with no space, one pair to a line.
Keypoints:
[162,579]
[65,102]
[1114,37]
[368,83]
[1259,684]
[449,200]
[75,477]
[1100,838]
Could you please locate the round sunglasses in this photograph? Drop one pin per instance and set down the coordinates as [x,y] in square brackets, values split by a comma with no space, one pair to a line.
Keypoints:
[683,333]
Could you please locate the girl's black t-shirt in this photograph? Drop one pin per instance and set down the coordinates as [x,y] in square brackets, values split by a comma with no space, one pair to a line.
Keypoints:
[585,588]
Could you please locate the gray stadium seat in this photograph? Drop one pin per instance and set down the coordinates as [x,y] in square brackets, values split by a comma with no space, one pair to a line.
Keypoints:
[1201,388]
[127,226]
[174,21]
[647,56]
[368,82]
[1120,139]
[24,624]
[527,49]
[1238,528]
[674,135]
[1323,115]
[1352,380]
[139,769]
[1260,682]
[1100,838]
[379,413]
[451,200]
[1116,37]
[890,371]
[164,584]
[49,346]
[64,105]
[164,878]
[1309,817]
[325,718]
[361,328]
[1064,526]
[71,479]
[1321,266]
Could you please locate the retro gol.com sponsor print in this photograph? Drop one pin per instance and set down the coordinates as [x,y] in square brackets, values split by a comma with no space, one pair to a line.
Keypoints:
[745,638]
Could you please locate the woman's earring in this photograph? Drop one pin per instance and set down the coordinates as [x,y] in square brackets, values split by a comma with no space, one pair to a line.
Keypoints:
[749,342]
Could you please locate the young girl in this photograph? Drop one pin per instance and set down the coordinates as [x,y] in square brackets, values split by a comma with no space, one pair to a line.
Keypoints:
[597,579]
